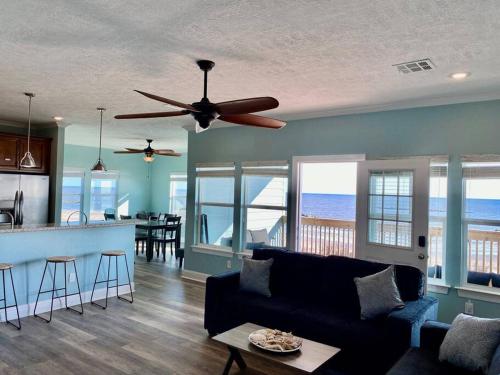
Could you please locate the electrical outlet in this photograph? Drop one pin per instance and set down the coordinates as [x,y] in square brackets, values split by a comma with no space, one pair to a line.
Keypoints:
[469,308]
[228,264]
[72,277]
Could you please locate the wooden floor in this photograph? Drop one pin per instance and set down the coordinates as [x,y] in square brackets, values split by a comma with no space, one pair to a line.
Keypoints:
[160,333]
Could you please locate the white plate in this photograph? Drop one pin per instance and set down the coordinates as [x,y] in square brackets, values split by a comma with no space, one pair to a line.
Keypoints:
[268,349]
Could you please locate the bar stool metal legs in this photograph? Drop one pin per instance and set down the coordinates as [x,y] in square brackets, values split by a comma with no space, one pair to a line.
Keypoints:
[4,267]
[54,290]
[109,255]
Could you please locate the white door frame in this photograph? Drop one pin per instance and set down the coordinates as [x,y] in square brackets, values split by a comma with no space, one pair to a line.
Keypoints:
[415,255]
[295,187]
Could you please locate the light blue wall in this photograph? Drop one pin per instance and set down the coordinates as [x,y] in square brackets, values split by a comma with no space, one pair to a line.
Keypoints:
[135,176]
[27,251]
[453,130]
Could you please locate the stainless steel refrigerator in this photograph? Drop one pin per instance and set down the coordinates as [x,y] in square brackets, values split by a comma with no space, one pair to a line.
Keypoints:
[26,197]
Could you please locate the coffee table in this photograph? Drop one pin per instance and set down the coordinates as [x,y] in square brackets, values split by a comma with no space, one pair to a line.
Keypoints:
[308,359]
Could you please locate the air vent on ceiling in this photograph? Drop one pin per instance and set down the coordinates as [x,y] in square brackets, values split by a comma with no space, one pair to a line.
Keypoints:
[415,66]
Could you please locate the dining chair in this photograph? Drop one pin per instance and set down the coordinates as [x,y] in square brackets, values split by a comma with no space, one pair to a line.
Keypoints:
[167,235]
[125,217]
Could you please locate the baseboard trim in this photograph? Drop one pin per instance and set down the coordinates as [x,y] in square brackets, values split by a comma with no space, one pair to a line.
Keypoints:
[195,276]
[44,305]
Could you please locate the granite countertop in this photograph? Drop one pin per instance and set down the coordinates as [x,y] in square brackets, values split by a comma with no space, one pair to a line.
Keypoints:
[63,226]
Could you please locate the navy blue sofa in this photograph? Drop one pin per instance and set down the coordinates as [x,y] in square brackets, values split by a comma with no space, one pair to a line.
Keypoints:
[424,360]
[315,297]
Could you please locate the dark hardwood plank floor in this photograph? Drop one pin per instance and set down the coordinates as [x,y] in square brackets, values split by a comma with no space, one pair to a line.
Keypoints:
[160,333]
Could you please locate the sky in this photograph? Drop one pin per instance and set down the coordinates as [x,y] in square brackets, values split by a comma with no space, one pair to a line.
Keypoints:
[329,178]
[340,178]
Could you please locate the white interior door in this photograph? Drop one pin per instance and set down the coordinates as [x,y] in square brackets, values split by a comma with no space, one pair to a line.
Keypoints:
[392,211]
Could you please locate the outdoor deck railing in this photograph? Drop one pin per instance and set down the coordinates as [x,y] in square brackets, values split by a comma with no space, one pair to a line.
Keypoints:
[337,237]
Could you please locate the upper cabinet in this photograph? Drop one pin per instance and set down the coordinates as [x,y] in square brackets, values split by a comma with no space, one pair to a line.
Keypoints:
[13,148]
[8,153]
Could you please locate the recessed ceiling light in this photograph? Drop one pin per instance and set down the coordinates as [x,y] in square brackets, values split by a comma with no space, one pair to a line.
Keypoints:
[58,118]
[460,75]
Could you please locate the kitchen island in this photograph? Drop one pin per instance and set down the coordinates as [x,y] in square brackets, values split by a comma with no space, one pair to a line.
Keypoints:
[28,246]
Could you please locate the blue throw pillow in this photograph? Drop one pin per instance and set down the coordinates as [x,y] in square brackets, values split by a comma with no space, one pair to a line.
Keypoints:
[255,276]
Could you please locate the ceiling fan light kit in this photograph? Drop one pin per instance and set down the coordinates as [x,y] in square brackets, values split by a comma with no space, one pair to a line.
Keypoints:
[27,161]
[205,112]
[149,152]
[99,166]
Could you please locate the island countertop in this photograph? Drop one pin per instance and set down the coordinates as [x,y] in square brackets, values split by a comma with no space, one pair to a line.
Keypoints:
[65,226]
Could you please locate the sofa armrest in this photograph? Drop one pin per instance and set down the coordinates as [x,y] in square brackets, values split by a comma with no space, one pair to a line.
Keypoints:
[216,288]
[432,335]
[406,323]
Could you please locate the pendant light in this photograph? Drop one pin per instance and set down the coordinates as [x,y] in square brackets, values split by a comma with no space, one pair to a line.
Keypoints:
[99,165]
[27,161]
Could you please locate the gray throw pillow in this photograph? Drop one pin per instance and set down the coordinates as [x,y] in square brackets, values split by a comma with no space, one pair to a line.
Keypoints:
[471,342]
[255,276]
[378,294]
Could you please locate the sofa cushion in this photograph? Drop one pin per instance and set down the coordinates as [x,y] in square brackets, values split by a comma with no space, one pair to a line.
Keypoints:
[495,363]
[424,362]
[270,312]
[295,275]
[378,294]
[336,328]
[479,278]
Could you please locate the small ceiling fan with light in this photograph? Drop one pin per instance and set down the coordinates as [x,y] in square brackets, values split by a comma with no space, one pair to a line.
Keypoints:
[148,152]
[205,112]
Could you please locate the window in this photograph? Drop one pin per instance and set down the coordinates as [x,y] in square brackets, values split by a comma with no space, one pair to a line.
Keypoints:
[481,223]
[72,195]
[103,194]
[178,192]
[390,208]
[437,220]
[265,189]
[215,205]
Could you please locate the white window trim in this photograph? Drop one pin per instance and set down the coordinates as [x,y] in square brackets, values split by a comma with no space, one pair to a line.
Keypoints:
[252,169]
[226,170]
[75,172]
[223,251]
[466,289]
[176,177]
[112,173]
[294,210]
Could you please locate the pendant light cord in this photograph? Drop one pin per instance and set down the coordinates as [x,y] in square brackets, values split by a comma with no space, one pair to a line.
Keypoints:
[29,122]
[100,136]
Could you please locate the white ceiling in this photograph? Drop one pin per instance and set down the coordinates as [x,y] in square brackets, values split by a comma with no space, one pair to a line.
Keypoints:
[316,57]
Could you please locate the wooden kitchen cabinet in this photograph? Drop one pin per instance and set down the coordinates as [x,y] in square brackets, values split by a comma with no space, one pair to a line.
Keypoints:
[8,153]
[13,148]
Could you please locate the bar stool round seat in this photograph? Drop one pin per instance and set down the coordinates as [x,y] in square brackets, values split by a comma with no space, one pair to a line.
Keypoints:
[61,259]
[113,253]
[5,266]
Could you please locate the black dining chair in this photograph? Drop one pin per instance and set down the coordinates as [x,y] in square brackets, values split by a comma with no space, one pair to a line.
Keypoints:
[109,216]
[167,235]
[125,217]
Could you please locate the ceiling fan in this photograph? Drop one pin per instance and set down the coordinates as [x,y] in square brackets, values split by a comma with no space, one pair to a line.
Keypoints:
[205,112]
[149,152]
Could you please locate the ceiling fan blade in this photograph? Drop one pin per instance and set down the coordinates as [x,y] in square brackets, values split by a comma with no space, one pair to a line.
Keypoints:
[168,101]
[151,115]
[128,152]
[163,150]
[254,120]
[242,106]
[166,153]
[133,149]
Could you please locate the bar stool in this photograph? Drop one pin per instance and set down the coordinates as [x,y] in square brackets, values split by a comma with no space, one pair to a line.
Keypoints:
[58,260]
[4,267]
[112,254]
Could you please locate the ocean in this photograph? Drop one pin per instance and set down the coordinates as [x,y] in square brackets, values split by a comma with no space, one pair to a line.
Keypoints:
[343,207]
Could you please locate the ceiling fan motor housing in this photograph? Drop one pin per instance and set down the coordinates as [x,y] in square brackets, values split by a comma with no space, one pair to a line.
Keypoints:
[207,113]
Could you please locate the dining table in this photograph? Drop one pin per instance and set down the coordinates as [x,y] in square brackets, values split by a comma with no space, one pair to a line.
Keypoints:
[150,227]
